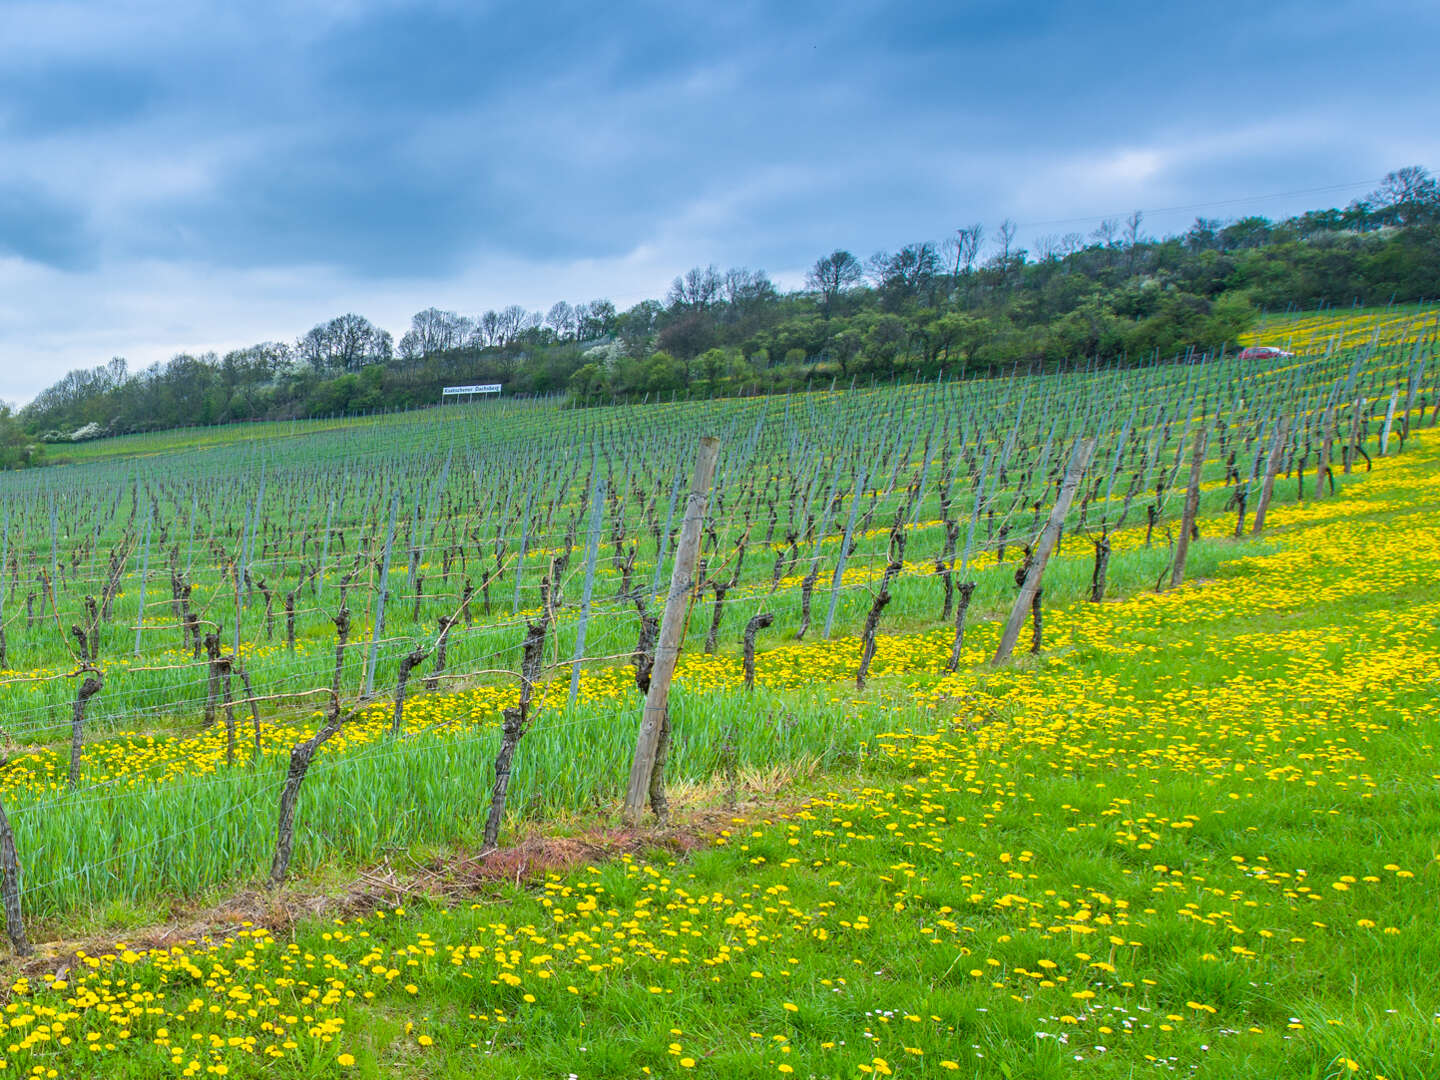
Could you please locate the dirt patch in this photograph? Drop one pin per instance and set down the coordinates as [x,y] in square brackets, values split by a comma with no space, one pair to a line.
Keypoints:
[537,856]
[467,875]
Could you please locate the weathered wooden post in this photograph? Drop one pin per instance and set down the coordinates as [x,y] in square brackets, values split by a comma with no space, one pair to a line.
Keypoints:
[1277,452]
[1079,460]
[655,722]
[1389,423]
[381,595]
[1323,472]
[1192,504]
[844,555]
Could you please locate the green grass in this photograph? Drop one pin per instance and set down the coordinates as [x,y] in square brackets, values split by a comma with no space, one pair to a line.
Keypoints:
[1141,830]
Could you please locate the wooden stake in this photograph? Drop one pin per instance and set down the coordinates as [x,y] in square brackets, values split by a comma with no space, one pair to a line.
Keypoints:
[1048,537]
[1192,504]
[672,629]
[1277,452]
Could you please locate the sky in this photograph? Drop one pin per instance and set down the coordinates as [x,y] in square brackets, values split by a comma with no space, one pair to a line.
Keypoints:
[180,177]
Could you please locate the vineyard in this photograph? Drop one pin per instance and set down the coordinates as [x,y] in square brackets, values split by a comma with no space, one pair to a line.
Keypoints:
[1017,723]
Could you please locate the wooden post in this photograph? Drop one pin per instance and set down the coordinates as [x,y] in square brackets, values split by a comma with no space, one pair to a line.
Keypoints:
[1192,504]
[381,595]
[1354,439]
[672,629]
[844,555]
[1322,470]
[1079,460]
[1389,423]
[592,550]
[1277,452]
[144,572]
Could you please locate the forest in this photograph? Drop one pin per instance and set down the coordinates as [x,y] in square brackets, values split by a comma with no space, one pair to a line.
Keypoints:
[971,303]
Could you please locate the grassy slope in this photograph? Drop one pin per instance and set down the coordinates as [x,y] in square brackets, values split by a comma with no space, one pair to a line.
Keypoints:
[1200,833]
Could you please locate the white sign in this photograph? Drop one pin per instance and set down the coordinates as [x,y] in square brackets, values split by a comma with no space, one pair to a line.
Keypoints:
[482,388]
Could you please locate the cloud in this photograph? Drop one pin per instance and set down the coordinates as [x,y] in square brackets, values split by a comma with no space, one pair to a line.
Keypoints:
[202,175]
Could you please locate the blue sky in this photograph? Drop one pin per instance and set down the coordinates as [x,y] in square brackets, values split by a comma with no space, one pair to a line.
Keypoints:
[188,176]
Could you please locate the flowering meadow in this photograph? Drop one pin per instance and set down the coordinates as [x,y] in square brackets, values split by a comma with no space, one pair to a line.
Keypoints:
[1189,825]
[1197,835]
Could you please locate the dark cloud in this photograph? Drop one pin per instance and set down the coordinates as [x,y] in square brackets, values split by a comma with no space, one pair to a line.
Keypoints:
[36,226]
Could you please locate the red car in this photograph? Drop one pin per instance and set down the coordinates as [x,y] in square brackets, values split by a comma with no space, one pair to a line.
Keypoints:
[1263,352]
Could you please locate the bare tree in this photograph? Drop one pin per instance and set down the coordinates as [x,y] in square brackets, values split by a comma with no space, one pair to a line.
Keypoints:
[695,290]
[562,318]
[1407,196]
[1106,232]
[970,238]
[1047,247]
[487,329]
[1132,228]
[1005,237]
[345,343]
[832,276]
[433,331]
[745,291]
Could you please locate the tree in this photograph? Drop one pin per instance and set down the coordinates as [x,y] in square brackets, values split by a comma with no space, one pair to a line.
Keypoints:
[1132,238]
[964,247]
[1204,234]
[832,276]
[16,449]
[909,274]
[514,322]
[1132,228]
[563,319]
[1005,237]
[1048,247]
[434,331]
[746,292]
[487,329]
[1248,232]
[1408,196]
[597,319]
[844,347]
[346,343]
[695,290]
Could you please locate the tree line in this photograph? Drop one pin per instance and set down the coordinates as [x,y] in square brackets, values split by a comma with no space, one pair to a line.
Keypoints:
[973,301]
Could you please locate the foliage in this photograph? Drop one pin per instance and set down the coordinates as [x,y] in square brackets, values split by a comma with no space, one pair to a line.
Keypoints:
[911,314]
[17,448]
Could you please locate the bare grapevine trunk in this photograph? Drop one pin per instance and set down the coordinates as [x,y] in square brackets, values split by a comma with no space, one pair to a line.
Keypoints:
[807,591]
[10,888]
[88,689]
[754,626]
[966,589]
[882,598]
[407,663]
[300,757]
[516,720]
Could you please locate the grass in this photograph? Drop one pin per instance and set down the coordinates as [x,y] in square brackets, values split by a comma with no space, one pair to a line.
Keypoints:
[1196,836]
[161,819]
